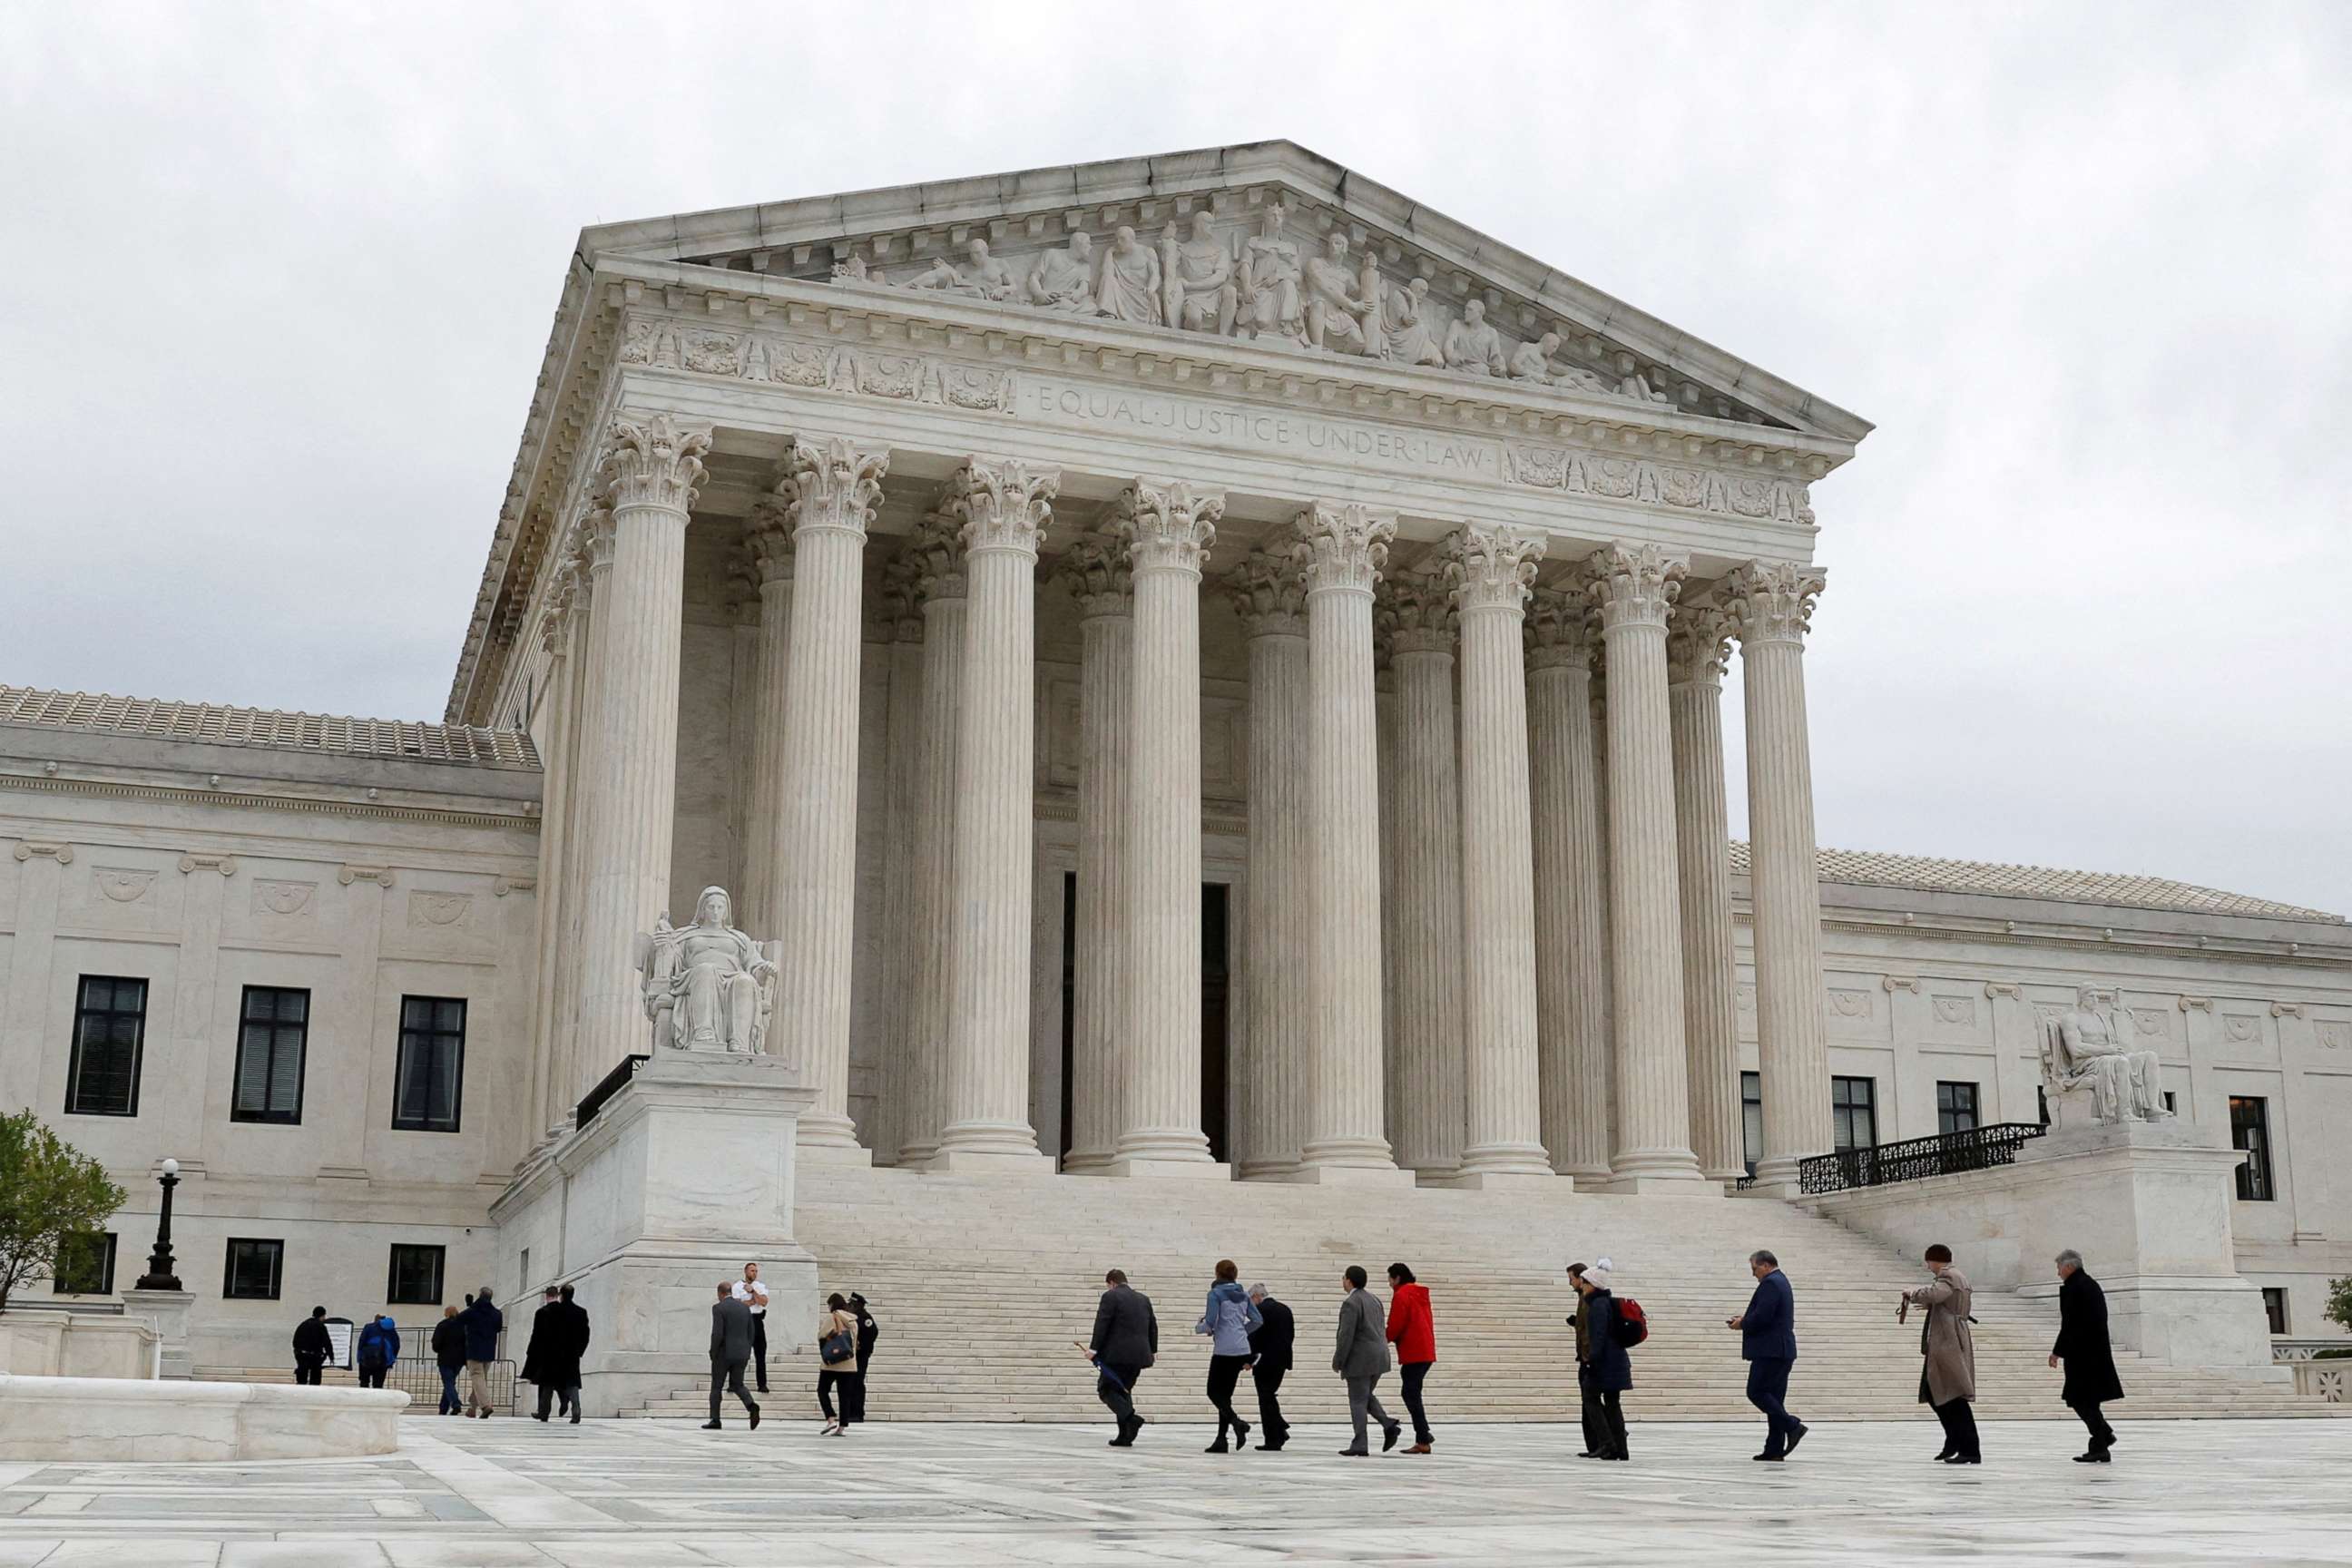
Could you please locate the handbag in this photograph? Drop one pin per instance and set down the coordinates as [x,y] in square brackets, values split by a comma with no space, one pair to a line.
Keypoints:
[836,1347]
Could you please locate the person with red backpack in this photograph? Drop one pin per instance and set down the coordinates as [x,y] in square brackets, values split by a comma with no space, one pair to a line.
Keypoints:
[1615,1325]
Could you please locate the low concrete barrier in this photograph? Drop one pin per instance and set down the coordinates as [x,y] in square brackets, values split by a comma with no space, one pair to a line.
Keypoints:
[60,1418]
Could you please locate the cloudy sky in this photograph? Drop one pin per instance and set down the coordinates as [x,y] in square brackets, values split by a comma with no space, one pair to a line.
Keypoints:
[278,280]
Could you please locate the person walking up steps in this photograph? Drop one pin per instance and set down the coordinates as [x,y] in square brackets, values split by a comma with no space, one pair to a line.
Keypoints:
[1125,1340]
[1768,1343]
[483,1322]
[1362,1359]
[1947,1380]
[836,1349]
[378,1348]
[1230,1320]
[731,1348]
[2090,1359]
[449,1359]
[1270,1347]
[1612,1368]
[1413,1331]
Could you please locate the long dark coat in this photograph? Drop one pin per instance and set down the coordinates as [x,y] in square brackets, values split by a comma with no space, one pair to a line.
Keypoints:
[1611,1367]
[2082,1342]
[557,1339]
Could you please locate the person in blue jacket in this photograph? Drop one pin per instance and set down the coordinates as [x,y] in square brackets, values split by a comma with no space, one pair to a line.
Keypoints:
[483,1322]
[1230,1318]
[377,1350]
[1768,1343]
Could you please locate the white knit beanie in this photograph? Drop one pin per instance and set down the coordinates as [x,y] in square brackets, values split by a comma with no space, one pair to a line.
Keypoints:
[1598,1274]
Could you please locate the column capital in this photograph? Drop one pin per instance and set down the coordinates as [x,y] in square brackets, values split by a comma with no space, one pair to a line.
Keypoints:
[1774,600]
[1635,584]
[901,605]
[1266,589]
[1412,612]
[1559,629]
[590,546]
[1699,642]
[1167,523]
[654,462]
[937,552]
[768,541]
[1096,567]
[1342,545]
[563,597]
[833,484]
[1005,503]
[1491,566]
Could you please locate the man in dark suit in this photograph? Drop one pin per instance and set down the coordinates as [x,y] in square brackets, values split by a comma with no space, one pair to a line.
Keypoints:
[1126,1341]
[1361,1357]
[730,1352]
[1768,1343]
[1269,1360]
[2090,1359]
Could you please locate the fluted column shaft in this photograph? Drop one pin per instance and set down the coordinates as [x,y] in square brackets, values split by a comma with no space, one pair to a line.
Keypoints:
[1098,1018]
[1571,916]
[941,587]
[1774,606]
[1633,586]
[1490,569]
[1425,836]
[563,638]
[1267,594]
[1169,527]
[593,560]
[1004,505]
[768,545]
[1697,645]
[902,941]
[1341,550]
[652,470]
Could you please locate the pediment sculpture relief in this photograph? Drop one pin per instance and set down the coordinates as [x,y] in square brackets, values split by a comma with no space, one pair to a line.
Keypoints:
[708,986]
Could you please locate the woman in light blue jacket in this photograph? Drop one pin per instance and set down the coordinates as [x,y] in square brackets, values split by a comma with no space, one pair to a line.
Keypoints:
[1232,1318]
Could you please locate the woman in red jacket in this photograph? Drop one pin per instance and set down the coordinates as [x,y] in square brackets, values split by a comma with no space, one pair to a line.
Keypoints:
[1414,1333]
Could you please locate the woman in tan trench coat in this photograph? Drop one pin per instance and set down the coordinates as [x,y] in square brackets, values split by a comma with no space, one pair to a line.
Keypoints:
[1949,1380]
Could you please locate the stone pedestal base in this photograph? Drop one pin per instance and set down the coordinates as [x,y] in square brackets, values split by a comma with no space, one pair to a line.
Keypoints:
[988,1163]
[1689,1184]
[1492,1181]
[1166,1170]
[168,1311]
[856,1155]
[1373,1176]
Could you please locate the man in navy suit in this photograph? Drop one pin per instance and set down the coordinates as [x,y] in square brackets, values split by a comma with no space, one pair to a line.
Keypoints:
[1768,1343]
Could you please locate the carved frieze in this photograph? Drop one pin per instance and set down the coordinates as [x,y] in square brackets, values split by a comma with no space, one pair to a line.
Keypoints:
[121,884]
[282,898]
[745,355]
[433,909]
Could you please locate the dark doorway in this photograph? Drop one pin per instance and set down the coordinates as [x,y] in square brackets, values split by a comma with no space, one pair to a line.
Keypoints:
[1070,1000]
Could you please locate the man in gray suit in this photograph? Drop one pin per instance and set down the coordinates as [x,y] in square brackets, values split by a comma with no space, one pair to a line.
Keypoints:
[730,1352]
[1363,1357]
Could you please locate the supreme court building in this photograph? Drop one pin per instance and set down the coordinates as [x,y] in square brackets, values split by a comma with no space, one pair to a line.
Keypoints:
[1205,668]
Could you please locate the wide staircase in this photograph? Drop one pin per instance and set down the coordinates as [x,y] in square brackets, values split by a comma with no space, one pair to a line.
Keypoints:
[982,1285]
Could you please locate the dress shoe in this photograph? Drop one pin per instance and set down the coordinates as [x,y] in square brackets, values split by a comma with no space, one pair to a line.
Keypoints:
[711,1425]
[1217,1447]
[2095,1457]
[1965,1459]
[1593,1454]
[1767,1458]
[1389,1439]
[755,1418]
[1797,1436]
[1240,1434]
[1120,1443]
[1417,1448]
[1355,1453]
[1945,1456]
[539,1417]
[575,1415]
[1273,1447]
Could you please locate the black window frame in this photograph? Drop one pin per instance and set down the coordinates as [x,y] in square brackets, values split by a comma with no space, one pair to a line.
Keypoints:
[58,1276]
[270,1115]
[1948,1109]
[431,1035]
[392,1279]
[2274,1307]
[1751,1128]
[229,1292]
[83,1013]
[2250,1130]
[1840,1084]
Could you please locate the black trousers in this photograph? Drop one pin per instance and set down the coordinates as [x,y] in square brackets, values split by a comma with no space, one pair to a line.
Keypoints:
[566,1397]
[1768,1385]
[1224,1377]
[373,1376]
[1587,1399]
[1960,1428]
[307,1370]
[1612,1422]
[760,1349]
[1415,1373]
[853,1394]
[2102,1435]
[1269,1404]
[728,1376]
[1116,1389]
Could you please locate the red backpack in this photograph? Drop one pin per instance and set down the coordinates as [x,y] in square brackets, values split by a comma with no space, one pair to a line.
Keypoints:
[1632,1323]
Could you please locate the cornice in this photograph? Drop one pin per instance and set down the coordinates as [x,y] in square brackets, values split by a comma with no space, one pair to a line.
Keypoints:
[105,789]
[2289,954]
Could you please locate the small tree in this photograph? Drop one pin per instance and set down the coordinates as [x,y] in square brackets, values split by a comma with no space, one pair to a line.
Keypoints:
[2339,1302]
[49,1191]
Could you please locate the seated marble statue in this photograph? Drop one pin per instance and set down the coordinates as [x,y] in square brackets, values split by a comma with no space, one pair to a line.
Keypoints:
[2089,1047]
[1409,324]
[1340,318]
[1472,347]
[1129,289]
[984,275]
[1532,362]
[1064,279]
[707,987]
[1197,271]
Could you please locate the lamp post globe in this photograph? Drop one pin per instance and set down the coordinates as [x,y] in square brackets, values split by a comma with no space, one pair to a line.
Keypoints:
[160,1275]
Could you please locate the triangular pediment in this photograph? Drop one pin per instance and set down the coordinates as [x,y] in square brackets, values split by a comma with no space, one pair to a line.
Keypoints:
[1265,242]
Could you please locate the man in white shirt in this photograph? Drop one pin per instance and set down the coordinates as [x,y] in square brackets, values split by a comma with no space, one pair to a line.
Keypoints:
[749,1291]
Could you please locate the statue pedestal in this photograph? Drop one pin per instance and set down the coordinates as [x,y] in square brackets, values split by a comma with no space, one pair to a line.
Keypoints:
[682,1177]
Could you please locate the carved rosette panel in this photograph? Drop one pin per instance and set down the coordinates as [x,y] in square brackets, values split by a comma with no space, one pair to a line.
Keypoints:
[120,884]
[834,485]
[1342,545]
[1635,584]
[1559,628]
[1492,567]
[936,552]
[657,462]
[2333,1034]
[1005,503]
[1412,612]
[282,898]
[1095,568]
[430,911]
[1698,642]
[1266,590]
[1773,601]
[1167,523]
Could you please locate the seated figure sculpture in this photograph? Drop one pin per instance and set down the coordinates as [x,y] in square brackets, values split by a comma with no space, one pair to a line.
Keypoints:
[2088,1048]
[707,987]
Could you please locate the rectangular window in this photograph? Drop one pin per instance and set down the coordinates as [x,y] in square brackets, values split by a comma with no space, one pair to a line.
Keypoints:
[252,1270]
[2250,1129]
[2170,1108]
[85,1265]
[1853,1112]
[1751,1118]
[416,1279]
[2275,1307]
[432,1070]
[1956,1108]
[273,1040]
[109,1026]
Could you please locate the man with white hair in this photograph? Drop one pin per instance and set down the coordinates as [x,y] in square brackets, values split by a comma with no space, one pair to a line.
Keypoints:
[1270,1349]
[2090,1359]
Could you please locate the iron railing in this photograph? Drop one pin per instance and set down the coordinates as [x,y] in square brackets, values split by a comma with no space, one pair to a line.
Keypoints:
[419,1377]
[610,1085]
[1914,1159]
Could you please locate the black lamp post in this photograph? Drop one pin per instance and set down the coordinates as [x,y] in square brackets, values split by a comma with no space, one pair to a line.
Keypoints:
[159,1275]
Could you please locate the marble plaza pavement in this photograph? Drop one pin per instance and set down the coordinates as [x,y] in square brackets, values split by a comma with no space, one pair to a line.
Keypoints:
[644,1494]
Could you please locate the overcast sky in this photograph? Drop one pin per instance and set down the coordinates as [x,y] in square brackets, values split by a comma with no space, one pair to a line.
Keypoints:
[276,281]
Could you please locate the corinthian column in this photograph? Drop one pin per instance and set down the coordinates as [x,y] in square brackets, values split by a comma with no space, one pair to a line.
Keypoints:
[1490,568]
[1633,586]
[1272,605]
[811,874]
[1005,504]
[1340,550]
[1571,915]
[1774,604]
[561,640]
[901,941]
[1169,527]
[1698,641]
[651,470]
[1416,616]
[768,544]
[937,554]
[1096,569]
